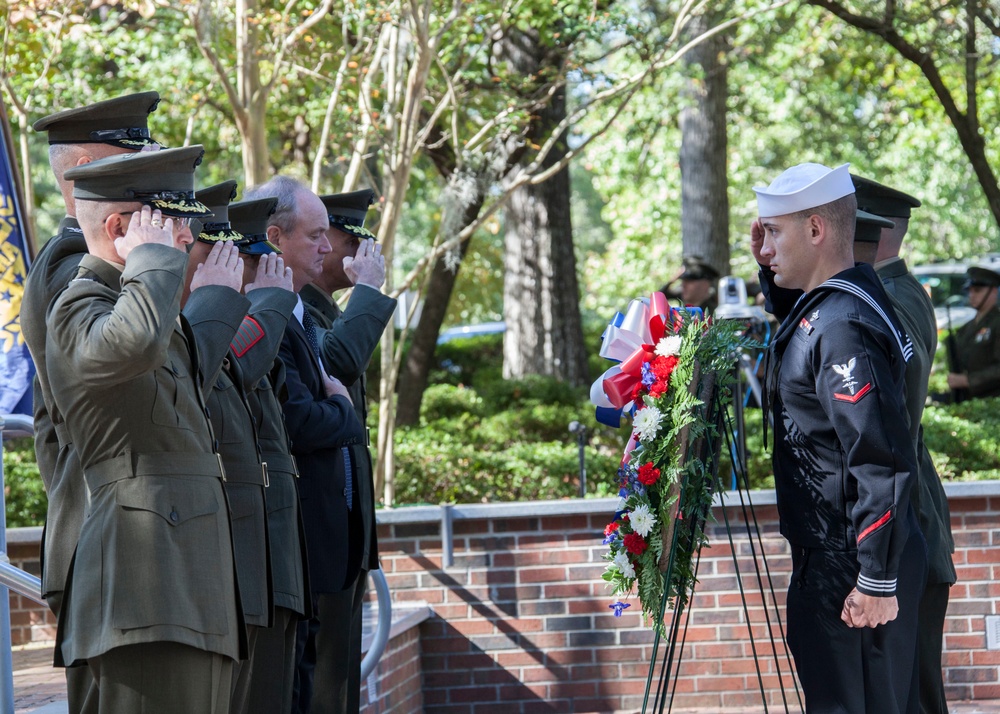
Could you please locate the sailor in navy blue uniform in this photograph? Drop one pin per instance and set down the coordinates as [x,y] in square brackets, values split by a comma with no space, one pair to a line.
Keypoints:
[844,462]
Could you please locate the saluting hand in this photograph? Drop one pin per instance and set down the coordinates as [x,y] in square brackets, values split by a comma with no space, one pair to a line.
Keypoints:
[223,266]
[862,610]
[757,241]
[145,226]
[367,266]
[271,273]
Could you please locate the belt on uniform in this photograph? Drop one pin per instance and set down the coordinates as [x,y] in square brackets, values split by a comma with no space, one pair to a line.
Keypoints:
[62,433]
[282,463]
[162,463]
[245,469]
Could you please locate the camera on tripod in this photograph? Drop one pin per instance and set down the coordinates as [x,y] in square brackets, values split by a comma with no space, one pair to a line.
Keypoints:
[733,303]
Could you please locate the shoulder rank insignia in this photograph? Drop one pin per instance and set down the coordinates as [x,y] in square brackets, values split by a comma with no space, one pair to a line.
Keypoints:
[804,324]
[249,334]
[850,383]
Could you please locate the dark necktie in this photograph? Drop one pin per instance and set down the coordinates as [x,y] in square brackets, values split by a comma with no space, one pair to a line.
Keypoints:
[310,328]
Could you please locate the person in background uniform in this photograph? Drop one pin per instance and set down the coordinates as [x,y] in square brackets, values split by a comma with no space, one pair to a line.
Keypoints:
[273,669]
[322,425]
[76,136]
[151,602]
[978,341]
[347,340]
[268,286]
[843,461]
[698,284]
[916,312]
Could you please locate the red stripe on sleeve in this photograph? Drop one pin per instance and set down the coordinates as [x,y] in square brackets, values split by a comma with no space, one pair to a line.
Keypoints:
[875,526]
[249,334]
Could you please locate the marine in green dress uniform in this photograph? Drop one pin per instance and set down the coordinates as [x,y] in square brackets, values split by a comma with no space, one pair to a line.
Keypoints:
[347,340]
[76,136]
[273,664]
[250,357]
[151,603]
[979,340]
[915,311]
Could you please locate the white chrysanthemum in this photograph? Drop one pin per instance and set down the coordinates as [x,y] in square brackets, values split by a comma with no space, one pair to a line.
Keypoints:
[647,423]
[642,520]
[621,560]
[669,346]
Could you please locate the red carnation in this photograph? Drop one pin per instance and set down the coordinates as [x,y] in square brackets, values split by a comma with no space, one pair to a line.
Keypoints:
[648,474]
[610,528]
[657,389]
[663,366]
[634,544]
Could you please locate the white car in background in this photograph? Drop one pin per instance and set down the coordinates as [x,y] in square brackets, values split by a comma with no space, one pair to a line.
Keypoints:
[944,282]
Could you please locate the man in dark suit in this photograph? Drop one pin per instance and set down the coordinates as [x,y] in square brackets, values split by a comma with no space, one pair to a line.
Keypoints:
[76,136]
[322,425]
[347,340]
[151,604]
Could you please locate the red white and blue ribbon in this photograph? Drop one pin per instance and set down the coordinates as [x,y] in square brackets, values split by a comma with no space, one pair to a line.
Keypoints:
[630,340]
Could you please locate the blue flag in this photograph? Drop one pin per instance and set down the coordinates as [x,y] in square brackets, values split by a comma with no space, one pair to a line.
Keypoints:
[16,367]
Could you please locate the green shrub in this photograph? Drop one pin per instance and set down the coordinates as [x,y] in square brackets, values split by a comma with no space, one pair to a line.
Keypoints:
[964,439]
[24,493]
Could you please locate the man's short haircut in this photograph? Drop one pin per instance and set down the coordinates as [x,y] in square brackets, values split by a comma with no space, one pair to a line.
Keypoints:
[92,214]
[839,216]
[63,157]
[284,188]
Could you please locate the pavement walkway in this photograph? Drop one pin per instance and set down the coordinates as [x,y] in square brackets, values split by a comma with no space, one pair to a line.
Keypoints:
[39,688]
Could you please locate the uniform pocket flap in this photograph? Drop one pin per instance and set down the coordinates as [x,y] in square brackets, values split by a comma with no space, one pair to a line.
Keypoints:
[174,500]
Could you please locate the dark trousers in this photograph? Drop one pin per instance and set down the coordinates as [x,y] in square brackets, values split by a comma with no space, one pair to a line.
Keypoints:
[239,694]
[162,677]
[328,678]
[273,670]
[81,689]
[845,670]
[933,608]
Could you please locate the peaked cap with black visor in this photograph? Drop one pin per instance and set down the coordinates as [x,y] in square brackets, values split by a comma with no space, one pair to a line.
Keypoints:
[347,211]
[249,218]
[217,229]
[162,180]
[121,122]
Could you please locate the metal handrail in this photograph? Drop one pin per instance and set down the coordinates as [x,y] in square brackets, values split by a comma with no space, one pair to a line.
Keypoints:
[11,578]
[377,647]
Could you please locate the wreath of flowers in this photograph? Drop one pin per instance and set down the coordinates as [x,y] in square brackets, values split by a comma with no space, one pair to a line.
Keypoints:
[666,359]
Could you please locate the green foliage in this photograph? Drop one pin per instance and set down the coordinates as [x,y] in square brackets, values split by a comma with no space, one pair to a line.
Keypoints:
[500,440]
[24,493]
[964,439]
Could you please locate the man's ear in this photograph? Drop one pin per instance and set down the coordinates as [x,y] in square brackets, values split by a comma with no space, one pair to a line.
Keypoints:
[114,226]
[274,235]
[83,160]
[817,229]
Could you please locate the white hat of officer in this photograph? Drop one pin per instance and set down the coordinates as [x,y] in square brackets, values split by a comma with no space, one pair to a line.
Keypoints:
[802,187]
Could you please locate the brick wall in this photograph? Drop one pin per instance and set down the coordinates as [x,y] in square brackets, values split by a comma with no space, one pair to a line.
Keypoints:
[522,620]
[29,621]
[396,684]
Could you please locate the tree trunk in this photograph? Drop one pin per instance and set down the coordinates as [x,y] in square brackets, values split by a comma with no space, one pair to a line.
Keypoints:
[704,184]
[541,295]
[413,380]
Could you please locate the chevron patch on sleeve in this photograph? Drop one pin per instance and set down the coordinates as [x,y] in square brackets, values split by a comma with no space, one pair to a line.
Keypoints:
[249,334]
